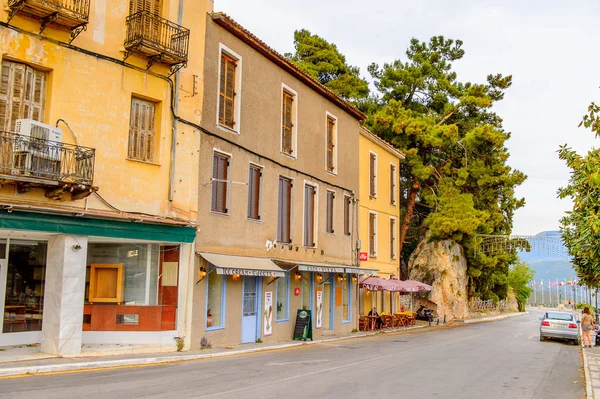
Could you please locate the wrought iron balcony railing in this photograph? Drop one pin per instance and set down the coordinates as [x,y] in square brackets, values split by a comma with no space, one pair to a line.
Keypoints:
[70,14]
[158,38]
[36,160]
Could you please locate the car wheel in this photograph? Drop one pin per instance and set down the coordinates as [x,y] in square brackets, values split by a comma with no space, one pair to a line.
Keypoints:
[542,338]
[575,342]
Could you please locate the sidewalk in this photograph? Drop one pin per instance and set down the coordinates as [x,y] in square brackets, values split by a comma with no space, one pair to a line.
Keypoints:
[591,366]
[38,365]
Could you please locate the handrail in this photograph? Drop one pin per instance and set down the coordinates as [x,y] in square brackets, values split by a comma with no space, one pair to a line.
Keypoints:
[22,155]
[79,7]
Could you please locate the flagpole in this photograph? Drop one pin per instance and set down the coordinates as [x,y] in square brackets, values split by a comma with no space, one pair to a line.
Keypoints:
[542,287]
[557,293]
[550,291]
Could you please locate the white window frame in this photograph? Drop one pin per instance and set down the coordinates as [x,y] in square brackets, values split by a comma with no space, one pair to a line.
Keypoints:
[316,215]
[395,243]
[329,115]
[376,239]
[375,174]
[237,101]
[294,93]
[260,192]
[278,282]
[228,195]
[394,180]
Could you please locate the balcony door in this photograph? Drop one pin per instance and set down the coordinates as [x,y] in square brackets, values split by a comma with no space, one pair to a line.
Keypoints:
[153,6]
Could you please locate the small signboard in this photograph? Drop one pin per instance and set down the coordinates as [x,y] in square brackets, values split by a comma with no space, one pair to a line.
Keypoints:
[303,329]
[363,256]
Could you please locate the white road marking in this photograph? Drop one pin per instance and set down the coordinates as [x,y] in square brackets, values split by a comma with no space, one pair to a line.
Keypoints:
[420,348]
[299,362]
[533,336]
[516,335]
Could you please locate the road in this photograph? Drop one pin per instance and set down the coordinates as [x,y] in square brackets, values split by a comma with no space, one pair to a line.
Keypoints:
[501,359]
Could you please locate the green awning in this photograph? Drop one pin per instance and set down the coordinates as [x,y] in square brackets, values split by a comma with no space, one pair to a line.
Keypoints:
[85,226]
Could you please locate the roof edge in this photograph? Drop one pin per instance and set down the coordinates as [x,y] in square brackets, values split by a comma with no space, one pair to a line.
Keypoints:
[250,39]
[378,140]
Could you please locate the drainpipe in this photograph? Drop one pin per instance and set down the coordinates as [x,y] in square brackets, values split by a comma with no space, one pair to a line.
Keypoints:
[175,109]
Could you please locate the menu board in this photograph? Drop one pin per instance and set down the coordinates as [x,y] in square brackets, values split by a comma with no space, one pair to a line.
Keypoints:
[303,328]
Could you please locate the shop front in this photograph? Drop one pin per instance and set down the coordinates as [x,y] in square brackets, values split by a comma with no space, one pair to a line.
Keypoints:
[68,281]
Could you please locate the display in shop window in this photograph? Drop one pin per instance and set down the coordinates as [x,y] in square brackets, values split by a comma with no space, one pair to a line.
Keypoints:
[106,283]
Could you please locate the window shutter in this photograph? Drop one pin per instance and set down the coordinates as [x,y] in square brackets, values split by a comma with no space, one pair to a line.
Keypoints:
[222,80]
[393,184]
[309,215]
[18,88]
[347,216]
[219,184]
[392,238]
[254,193]
[287,125]
[229,92]
[153,6]
[287,210]
[38,96]
[372,174]
[372,234]
[5,97]
[141,130]
[330,144]
[280,212]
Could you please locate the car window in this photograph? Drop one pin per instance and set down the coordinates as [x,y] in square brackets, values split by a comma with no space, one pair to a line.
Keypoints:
[559,316]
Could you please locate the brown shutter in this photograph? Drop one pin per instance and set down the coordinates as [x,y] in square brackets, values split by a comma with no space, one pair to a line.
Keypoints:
[153,6]
[285,197]
[309,216]
[347,215]
[392,238]
[219,184]
[393,184]
[330,143]
[38,96]
[18,88]
[372,234]
[287,125]
[254,192]
[372,175]
[141,130]
[5,103]
[227,91]
[329,223]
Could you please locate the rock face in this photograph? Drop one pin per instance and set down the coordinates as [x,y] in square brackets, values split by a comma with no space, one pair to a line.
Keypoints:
[443,265]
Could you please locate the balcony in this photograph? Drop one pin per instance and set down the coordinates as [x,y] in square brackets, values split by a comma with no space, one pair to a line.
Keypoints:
[56,167]
[67,14]
[157,38]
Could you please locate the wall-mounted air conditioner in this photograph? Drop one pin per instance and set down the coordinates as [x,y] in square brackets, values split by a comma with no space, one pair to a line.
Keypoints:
[38,151]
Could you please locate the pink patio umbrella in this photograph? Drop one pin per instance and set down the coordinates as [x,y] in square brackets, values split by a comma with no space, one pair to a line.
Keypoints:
[379,284]
[418,285]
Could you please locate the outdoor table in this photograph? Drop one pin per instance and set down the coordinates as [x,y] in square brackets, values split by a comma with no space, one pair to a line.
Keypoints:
[406,317]
[372,320]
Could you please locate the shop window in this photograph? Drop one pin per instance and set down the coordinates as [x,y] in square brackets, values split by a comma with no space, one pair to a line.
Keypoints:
[22,94]
[215,301]
[346,297]
[131,287]
[25,277]
[306,294]
[283,303]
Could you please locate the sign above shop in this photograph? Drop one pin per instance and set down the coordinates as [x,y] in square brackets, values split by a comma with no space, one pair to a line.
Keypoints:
[363,256]
[249,272]
[320,269]
[297,291]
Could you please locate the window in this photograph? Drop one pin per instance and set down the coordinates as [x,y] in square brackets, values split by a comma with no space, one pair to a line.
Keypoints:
[306,291]
[346,297]
[284,211]
[219,183]
[282,295]
[331,144]
[372,234]
[310,193]
[392,238]
[372,174]
[330,210]
[22,94]
[153,6]
[141,130]
[254,181]
[227,88]
[392,184]
[288,121]
[347,204]
[215,300]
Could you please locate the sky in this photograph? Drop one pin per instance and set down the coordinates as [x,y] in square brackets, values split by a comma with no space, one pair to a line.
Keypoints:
[549,47]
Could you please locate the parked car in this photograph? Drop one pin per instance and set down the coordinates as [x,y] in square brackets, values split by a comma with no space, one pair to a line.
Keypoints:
[561,325]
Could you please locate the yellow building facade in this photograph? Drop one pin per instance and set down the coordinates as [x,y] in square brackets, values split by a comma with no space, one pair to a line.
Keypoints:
[379,215]
[100,103]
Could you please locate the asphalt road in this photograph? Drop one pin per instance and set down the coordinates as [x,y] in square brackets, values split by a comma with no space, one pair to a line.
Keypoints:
[501,359]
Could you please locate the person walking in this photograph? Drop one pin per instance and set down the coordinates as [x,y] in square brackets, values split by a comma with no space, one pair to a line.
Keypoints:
[587,323]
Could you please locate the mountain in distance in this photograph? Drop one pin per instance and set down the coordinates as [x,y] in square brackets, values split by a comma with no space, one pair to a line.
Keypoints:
[548,258]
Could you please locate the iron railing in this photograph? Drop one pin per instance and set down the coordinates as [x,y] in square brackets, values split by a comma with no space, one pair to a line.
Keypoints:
[23,156]
[78,8]
[160,36]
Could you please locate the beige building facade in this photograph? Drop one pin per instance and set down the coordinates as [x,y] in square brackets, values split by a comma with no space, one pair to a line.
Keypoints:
[277,196]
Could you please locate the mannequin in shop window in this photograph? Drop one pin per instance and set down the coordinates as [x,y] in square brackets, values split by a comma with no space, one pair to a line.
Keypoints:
[208,318]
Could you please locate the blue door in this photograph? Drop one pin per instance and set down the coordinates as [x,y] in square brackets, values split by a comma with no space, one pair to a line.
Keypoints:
[249,310]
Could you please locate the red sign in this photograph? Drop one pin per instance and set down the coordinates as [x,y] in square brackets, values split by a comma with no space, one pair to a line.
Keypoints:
[297,291]
[363,256]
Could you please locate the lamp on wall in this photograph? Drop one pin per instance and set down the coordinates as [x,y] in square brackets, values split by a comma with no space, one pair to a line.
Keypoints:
[201,273]
[340,278]
[319,277]
[298,275]
[354,278]
[236,276]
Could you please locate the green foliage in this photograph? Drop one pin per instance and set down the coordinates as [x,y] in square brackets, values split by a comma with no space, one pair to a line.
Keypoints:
[584,305]
[323,61]
[580,227]
[519,277]
[456,173]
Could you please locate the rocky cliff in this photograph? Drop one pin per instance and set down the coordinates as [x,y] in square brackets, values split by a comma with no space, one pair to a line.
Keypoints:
[443,265]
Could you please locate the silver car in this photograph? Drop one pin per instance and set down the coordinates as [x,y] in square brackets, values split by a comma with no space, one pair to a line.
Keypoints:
[562,325]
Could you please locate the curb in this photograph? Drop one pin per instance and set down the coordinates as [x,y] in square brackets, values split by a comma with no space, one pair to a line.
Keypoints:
[492,318]
[105,364]
[588,381]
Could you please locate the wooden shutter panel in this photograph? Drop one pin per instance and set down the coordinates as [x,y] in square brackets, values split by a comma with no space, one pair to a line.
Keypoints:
[330,143]
[5,97]
[18,89]
[227,91]
[142,125]
[393,184]
[287,125]
[254,193]
[287,204]
[309,216]
[372,174]
[219,184]
[347,216]
[153,6]
[392,238]
[372,234]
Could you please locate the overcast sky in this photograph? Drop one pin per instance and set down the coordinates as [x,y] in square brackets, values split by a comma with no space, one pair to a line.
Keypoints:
[550,48]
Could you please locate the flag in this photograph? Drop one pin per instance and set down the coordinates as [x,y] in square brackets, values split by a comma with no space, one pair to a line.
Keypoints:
[574,282]
[554,283]
[533,284]
[561,283]
[542,283]
[569,282]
